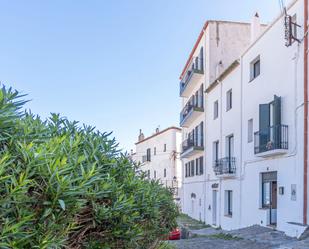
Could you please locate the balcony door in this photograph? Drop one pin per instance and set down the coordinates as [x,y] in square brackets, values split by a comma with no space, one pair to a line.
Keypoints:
[269,124]
[230,151]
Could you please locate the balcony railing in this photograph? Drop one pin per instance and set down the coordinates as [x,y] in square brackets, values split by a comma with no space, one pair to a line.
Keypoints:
[196,67]
[192,143]
[194,104]
[225,166]
[272,138]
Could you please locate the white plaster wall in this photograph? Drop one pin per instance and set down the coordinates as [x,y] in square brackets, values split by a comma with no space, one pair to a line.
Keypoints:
[227,123]
[281,75]
[162,160]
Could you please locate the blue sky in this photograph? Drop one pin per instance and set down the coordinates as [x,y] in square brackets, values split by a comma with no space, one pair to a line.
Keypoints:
[113,64]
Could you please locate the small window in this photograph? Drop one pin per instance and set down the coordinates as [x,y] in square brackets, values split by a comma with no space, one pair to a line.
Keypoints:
[155,174]
[164,172]
[229,100]
[216,109]
[148,155]
[255,68]
[148,174]
[215,151]
[228,202]
[250,130]
[154,151]
[164,149]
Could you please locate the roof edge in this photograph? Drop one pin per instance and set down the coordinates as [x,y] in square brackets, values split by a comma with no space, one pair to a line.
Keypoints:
[159,133]
[223,75]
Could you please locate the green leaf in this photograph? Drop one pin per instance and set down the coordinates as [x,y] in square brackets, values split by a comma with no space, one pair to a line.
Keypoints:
[62,204]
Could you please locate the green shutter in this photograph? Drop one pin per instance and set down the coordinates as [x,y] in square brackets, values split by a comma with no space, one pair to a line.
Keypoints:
[264,125]
[277,111]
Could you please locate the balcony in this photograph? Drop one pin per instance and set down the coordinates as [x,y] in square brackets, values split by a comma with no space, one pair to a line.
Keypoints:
[192,110]
[272,141]
[225,167]
[194,74]
[191,147]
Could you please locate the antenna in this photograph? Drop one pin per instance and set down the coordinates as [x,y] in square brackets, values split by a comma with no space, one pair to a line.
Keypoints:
[290,29]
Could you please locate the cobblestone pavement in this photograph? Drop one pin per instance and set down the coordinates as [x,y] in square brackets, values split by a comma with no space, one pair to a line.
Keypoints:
[254,237]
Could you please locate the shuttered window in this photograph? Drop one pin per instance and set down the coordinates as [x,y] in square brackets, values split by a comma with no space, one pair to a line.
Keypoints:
[201,165]
[192,168]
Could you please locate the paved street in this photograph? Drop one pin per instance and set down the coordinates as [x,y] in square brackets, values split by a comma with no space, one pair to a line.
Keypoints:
[254,237]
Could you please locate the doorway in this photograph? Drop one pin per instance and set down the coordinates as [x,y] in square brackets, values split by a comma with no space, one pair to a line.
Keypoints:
[269,196]
[214,207]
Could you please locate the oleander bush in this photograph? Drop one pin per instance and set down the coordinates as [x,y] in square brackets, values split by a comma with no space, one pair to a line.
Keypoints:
[67,186]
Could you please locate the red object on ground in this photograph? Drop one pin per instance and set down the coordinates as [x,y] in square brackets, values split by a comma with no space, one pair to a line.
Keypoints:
[174,235]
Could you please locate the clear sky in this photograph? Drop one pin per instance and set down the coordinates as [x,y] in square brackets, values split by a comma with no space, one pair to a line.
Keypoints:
[113,64]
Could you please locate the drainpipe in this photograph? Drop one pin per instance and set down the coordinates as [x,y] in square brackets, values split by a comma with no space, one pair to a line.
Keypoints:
[305,112]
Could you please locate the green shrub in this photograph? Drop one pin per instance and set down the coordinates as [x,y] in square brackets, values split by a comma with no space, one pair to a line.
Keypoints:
[66,186]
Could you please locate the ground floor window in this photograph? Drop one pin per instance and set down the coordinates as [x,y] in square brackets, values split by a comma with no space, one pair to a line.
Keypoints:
[228,202]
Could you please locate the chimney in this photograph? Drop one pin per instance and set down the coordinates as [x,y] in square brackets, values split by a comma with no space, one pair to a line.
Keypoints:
[255,27]
[141,135]
[157,130]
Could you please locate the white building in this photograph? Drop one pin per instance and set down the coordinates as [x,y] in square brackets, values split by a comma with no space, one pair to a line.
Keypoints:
[217,46]
[158,155]
[254,115]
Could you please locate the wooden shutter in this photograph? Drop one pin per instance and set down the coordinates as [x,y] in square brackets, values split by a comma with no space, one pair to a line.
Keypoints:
[277,111]
[264,121]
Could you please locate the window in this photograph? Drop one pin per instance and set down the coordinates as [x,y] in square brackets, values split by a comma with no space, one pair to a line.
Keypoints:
[164,149]
[148,155]
[250,130]
[154,151]
[230,146]
[216,151]
[201,165]
[228,196]
[197,166]
[216,109]
[255,68]
[192,168]
[186,170]
[148,174]
[155,174]
[229,100]
[164,172]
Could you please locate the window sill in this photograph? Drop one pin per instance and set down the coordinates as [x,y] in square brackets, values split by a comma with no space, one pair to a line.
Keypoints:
[228,215]
[253,79]
[264,208]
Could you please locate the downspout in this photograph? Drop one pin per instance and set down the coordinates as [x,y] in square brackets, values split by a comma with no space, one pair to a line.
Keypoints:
[305,207]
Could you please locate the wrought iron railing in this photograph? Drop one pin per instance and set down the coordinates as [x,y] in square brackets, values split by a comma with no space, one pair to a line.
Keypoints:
[195,67]
[226,165]
[192,142]
[194,102]
[273,138]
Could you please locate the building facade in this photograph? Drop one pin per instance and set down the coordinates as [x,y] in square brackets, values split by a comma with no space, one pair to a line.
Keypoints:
[254,123]
[158,156]
[218,44]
